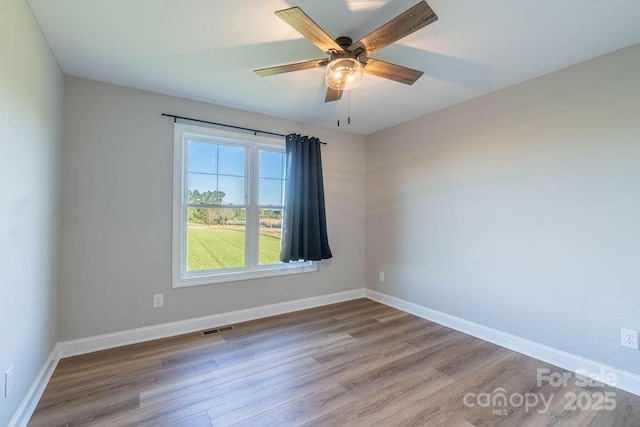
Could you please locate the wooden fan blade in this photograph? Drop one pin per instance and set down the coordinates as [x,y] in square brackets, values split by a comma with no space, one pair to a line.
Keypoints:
[308,28]
[401,26]
[291,67]
[391,71]
[333,95]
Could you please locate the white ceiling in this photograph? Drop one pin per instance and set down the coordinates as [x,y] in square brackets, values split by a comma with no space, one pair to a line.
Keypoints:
[207,50]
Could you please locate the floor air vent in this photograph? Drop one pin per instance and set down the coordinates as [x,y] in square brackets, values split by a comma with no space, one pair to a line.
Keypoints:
[217,330]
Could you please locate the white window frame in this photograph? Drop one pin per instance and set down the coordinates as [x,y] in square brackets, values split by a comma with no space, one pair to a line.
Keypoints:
[253,270]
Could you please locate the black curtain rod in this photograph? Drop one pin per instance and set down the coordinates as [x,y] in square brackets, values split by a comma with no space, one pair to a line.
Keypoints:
[255,131]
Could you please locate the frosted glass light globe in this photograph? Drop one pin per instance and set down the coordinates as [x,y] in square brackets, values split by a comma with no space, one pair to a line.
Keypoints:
[343,74]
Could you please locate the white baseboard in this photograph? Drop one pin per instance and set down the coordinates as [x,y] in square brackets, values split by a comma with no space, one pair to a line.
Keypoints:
[25,410]
[624,380]
[133,336]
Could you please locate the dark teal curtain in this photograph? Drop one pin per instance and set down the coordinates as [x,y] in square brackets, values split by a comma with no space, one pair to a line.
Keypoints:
[304,229]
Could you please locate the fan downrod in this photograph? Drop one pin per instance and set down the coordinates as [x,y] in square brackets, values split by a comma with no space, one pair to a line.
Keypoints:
[344,42]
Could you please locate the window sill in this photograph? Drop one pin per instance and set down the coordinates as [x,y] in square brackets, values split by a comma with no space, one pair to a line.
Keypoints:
[207,278]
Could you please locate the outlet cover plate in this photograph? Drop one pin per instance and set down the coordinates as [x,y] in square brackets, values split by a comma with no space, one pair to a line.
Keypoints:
[158,300]
[629,338]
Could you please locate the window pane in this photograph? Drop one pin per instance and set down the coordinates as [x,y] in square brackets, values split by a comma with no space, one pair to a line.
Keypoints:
[271,177]
[271,165]
[202,157]
[215,238]
[270,192]
[231,190]
[200,184]
[231,160]
[270,236]
[216,174]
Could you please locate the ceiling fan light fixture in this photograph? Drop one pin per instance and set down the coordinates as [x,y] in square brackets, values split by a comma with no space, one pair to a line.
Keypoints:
[343,74]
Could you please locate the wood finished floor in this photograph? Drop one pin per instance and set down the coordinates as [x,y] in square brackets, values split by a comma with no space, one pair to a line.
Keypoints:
[357,363]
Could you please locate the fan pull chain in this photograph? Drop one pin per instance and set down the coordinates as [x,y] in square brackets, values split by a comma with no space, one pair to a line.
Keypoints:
[349,108]
[338,113]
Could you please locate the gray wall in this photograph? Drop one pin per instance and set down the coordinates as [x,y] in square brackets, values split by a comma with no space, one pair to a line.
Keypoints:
[117,207]
[30,136]
[519,210]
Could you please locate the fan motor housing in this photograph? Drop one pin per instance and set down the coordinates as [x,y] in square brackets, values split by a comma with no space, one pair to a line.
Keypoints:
[344,43]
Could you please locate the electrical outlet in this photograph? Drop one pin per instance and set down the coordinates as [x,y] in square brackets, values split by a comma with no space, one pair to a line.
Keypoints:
[8,382]
[158,300]
[381,276]
[629,338]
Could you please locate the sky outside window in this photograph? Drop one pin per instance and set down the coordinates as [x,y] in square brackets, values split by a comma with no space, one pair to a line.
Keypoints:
[271,178]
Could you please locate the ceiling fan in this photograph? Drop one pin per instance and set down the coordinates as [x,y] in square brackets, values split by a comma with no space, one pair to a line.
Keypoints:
[347,61]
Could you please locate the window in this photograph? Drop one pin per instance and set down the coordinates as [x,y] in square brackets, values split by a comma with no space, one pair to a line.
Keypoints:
[228,206]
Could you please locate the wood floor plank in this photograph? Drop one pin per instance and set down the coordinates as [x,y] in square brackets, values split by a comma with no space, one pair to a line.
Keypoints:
[303,409]
[249,388]
[356,363]
[364,383]
[501,413]
[558,413]
[379,329]
[383,317]
[265,347]
[234,389]
[626,412]
[322,376]
[384,338]
[459,423]
[64,394]
[88,411]
[450,402]
[287,358]
[382,403]
[199,419]
[249,340]
[250,346]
